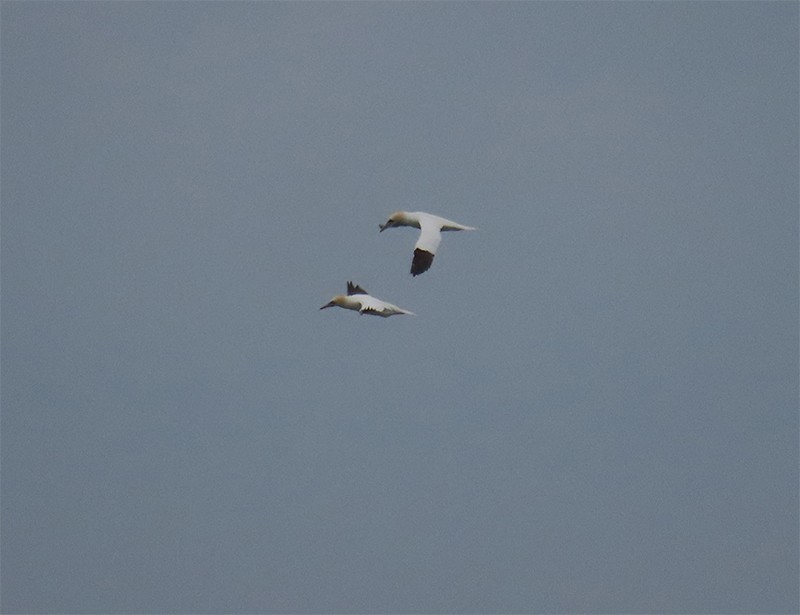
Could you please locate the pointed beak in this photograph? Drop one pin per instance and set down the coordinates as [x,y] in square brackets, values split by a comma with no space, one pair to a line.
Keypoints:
[383,227]
[327,305]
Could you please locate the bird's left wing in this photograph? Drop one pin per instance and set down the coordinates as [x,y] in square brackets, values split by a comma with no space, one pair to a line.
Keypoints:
[371,305]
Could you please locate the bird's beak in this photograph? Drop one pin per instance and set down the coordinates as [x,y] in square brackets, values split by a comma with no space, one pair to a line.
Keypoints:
[383,227]
[327,305]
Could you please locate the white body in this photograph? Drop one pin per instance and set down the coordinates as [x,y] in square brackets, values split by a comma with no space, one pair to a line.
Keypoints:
[430,234]
[359,300]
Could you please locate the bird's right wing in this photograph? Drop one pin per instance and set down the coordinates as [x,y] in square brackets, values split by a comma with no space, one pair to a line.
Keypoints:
[429,236]
[355,289]
[425,249]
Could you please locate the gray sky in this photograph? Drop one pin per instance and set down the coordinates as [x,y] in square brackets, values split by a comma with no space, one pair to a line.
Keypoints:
[595,409]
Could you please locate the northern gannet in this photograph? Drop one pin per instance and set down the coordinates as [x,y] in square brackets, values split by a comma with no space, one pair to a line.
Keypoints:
[359,299]
[430,235]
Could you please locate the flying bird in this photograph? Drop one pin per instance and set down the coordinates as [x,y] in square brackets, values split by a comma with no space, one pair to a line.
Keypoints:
[430,235]
[359,299]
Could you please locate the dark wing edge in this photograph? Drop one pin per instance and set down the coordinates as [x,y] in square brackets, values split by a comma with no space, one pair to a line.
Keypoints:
[422,261]
[374,312]
[355,289]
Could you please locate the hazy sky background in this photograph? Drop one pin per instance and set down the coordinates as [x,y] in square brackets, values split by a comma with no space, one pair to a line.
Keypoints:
[596,408]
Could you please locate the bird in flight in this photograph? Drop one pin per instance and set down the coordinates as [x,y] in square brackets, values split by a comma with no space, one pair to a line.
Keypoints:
[430,234]
[360,300]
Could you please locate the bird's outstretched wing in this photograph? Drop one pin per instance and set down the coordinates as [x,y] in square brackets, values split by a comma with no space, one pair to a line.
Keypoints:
[355,289]
[425,249]
[429,236]
[371,305]
[421,262]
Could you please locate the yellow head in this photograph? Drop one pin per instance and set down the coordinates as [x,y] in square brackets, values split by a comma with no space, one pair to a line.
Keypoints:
[398,218]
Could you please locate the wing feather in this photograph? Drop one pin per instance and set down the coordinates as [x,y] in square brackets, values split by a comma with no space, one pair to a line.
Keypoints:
[425,249]
[355,289]
[421,262]
[371,305]
[429,236]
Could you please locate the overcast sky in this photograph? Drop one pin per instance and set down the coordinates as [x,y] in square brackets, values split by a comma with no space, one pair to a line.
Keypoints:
[596,407]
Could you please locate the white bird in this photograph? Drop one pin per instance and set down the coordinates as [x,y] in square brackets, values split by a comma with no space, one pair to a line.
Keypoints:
[359,299]
[430,235]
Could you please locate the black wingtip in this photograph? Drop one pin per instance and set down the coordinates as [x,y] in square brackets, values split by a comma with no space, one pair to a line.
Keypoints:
[422,262]
[355,289]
